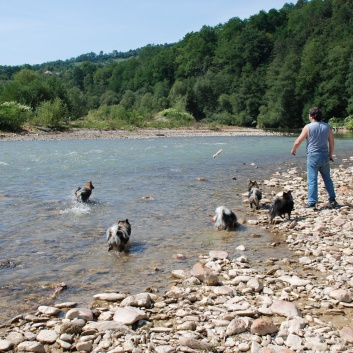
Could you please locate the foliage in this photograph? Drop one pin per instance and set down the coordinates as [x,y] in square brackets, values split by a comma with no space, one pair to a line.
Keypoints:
[348,122]
[339,123]
[335,123]
[51,113]
[13,115]
[177,118]
[114,117]
[265,71]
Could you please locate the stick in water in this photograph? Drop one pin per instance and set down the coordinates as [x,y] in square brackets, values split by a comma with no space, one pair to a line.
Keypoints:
[216,154]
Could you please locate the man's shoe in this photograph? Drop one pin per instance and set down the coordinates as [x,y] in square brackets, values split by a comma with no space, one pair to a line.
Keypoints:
[310,205]
[332,204]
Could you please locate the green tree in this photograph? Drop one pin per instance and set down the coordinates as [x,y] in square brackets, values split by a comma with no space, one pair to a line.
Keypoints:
[26,76]
[178,95]
[310,76]
[249,95]
[78,103]
[281,109]
[160,95]
[228,56]
[109,98]
[225,103]
[349,85]
[101,78]
[11,92]
[333,97]
[13,115]
[51,113]
[128,100]
[195,53]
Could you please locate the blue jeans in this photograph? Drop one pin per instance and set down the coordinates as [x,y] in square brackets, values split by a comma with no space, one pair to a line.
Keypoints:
[318,162]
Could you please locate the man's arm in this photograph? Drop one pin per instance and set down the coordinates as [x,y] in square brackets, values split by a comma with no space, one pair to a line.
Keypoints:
[303,136]
[331,145]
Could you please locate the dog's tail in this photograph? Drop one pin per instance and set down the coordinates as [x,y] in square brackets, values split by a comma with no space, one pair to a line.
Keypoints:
[109,234]
[78,194]
[274,208]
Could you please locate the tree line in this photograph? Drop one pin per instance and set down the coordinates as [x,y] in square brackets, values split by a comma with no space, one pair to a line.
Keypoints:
[264,71]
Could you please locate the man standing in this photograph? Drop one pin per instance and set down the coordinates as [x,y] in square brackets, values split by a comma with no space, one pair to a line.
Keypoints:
[320,145]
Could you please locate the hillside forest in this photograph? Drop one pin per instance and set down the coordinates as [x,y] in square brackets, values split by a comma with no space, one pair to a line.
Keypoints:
[265,71]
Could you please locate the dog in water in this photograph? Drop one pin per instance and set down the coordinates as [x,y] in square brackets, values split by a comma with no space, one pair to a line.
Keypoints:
[118,235]
[255,194]
[224,219]
[83,194]
[281,206]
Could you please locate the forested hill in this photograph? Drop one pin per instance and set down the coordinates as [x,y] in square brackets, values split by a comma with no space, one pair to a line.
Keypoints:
[265,71]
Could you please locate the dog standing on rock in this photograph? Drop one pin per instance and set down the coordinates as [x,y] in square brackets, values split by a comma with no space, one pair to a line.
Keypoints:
[118,235]
[255,194]
[83,194]
[225,219]
[281,205]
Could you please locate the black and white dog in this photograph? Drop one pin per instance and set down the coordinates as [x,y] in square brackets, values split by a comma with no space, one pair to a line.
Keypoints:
[224,219]
[281,205]
[255,194]
[118,235]
[83,194]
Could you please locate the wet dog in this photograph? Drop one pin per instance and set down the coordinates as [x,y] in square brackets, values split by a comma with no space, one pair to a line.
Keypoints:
[83,194]
[118,235]
[255,194]
[224,219]
[281,206]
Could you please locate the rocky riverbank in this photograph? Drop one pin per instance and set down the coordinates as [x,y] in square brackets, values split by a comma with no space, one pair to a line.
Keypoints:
[297,304]
[84,134]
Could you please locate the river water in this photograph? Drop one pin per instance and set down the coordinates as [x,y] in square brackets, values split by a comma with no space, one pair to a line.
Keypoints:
[46,237]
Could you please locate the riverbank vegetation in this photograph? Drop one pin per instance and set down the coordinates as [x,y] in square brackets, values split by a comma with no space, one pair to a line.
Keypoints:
[265,71]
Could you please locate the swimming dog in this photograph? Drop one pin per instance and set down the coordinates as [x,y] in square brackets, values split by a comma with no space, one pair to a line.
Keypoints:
[281,205]
[255,194]
[224,219]
[118,235]
[83,194]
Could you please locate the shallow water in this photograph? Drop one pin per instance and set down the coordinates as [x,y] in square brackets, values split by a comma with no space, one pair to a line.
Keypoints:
[47,237]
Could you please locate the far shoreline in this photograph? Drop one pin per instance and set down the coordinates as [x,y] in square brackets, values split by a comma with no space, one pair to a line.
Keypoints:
[93,134]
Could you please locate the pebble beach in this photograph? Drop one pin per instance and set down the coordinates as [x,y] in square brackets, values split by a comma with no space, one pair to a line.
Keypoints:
[76,134]
[303,303]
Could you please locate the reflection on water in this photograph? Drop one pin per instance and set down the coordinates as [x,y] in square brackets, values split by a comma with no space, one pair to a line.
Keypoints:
[48,238]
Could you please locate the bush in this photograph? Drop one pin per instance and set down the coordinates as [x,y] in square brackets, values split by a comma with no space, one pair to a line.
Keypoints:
[177,118]
[51,113]
[335,122]
[113,117]
[348,122]
[13,115]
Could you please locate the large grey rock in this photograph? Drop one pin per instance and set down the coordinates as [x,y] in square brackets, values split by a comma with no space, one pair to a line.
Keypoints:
[284,308]
[129,315]
[79,313]
[103,326]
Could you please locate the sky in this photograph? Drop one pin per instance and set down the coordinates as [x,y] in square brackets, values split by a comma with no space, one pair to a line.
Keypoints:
[40,31]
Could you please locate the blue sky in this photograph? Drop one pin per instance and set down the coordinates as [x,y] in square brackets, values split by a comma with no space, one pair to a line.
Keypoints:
[38,31]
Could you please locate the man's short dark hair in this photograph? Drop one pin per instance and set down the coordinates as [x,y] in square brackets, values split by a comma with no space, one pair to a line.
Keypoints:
[316,113]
